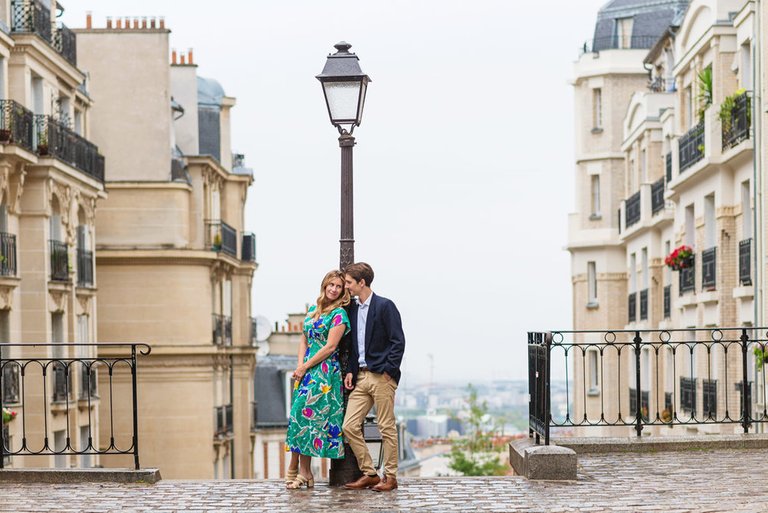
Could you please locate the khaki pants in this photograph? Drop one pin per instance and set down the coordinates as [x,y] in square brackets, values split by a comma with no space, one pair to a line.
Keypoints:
[372,389]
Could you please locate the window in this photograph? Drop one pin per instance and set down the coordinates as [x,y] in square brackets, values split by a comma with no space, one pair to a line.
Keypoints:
[632,272]
[38,105]
[710,239]
[591,284]
[644,269]
[667,270]
[624,32]
[594,370]
[597,108]
[643,167]
[746,211]
[745,71]
[59,445]
[689,117]
[690,236]
[595,195]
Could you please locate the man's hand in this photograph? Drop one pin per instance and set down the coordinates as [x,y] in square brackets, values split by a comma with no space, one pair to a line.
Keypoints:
[348,381]
[387,377]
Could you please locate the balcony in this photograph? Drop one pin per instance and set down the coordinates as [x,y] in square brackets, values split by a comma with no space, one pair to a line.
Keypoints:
[32,17]
[8,254]
[691,149]
[222,330]
[668,301]
[618,43]
[632,214]
[644,304]
[632,307]
[736,126]
[84,268]
[688,278]
[88,381]
[57,140]
[59,260]
[668,166]
[17,124]
[709,269]
[745,262]
[222,416]
[62,381]
[657,196]
[219,236]
[248,251]
[65,42]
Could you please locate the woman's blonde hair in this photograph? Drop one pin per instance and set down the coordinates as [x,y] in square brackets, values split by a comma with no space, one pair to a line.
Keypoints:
[325,306]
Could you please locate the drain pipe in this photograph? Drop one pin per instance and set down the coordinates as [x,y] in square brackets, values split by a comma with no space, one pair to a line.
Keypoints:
[757,180]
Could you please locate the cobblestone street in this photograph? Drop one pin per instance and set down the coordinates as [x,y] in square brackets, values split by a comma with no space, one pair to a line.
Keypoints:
[714,481]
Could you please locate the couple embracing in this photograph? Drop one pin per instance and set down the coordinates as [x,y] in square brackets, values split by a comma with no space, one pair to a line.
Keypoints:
[371,330]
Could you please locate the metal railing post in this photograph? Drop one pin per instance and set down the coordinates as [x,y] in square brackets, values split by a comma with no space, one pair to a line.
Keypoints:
[745,395]
[638,412]
[547,412]
[135,408]
[2,405]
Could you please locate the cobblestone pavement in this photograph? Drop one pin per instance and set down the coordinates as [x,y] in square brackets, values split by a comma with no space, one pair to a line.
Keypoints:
[670,482]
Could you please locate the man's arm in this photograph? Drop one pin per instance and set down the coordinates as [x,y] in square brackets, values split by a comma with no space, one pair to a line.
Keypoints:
[394,329]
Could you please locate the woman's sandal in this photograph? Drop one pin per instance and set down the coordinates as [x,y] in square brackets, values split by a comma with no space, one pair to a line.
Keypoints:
[299,482]
[290,476]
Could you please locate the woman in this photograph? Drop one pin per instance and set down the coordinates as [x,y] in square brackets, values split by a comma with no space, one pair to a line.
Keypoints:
[314,427]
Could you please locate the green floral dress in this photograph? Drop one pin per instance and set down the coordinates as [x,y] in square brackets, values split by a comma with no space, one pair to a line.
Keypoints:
[317,412]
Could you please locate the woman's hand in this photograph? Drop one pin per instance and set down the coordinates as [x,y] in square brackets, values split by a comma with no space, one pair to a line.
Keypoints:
[299,372]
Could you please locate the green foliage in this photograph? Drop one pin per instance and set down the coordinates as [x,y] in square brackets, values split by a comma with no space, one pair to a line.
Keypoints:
[705,90]
[726,109]
[761,356]
[475,455]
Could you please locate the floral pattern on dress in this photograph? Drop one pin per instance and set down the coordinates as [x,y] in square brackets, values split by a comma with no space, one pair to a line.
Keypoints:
[317,410]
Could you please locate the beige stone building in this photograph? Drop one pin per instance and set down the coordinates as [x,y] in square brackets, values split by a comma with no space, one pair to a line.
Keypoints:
[174,262]
[666,169]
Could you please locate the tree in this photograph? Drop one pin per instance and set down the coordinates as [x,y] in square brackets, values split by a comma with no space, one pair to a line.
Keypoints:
[475,455]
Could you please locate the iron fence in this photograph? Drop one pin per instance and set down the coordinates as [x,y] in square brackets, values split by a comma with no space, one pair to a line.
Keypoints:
[84,267]
[54,375]
[735,128]
[16,124]
[745,262]
[7,254]
[59,260]
[632,207]
[33,17]
[687,377]
[219,236]
[668,166]
[691,147]
[617,42]
[65,42]
[657,196]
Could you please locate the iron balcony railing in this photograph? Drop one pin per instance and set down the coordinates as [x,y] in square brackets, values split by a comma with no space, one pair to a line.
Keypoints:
[254,415]
[668,301]
[223,420]
[736,126]
[89,380]
[694,374]
[36,432]
[253,334]
[7,254]
[248,251]
[84,267]
[657,196]
[644,304]
[617,42]
[219,236]
[691,148]
[632,307]
[632,207]
[57,140]
[709,269]
[65,42]
[59,260]
[668,166]
[31,16]
[10,384]
[745,262]
[222,330]
[688,277]
[17,124]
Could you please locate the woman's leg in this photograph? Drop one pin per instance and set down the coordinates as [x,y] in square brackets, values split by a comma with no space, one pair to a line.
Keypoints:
[305,467]
[293,468]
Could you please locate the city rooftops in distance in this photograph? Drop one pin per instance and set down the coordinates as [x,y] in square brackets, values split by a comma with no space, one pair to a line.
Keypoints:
[128,23]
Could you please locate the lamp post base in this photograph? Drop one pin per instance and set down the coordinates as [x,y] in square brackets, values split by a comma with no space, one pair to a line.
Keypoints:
[345,470]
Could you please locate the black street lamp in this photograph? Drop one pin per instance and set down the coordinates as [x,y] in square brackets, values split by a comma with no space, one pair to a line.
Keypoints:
[344,86]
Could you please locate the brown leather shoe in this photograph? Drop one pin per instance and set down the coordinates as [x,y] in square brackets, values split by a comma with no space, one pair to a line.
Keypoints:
[389,484]
[363,482]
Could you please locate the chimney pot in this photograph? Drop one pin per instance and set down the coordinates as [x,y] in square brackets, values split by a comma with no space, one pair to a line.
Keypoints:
[152,22]
[190,56]
[162,22]
[136,22]
[173,56]
[119,23]
[183,59]
[109,22]
[88,20]
[143,22]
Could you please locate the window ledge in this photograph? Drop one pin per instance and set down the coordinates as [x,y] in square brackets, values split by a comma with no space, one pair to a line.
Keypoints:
[597,130]
[595,217]
[744,292]
[592,305]
[593,392]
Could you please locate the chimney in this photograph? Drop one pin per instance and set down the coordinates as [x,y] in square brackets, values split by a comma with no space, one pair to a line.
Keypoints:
[143,22]
[109,22]
[183,59]
[152,22]
[190,55]
[136,22]
[119,23]
[173,56]
[88,20]
[162,22]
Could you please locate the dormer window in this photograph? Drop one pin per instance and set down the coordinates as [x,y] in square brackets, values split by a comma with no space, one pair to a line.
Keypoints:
[623,32]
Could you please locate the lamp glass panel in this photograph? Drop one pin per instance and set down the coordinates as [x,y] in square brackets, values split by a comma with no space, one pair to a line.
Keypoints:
[374,448]
[363,90]
[342,100]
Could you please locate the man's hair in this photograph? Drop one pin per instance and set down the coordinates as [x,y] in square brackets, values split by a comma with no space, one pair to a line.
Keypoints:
[360,271]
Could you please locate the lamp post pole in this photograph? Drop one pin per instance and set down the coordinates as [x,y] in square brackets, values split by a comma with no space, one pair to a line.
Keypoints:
[347,240]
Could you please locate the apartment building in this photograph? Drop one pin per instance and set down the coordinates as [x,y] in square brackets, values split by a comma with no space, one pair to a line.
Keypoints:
[51,178]
[685,170]
[175,265]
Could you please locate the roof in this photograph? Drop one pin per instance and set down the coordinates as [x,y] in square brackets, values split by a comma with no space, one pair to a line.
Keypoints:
[269,389]
[650,20]
[209,92]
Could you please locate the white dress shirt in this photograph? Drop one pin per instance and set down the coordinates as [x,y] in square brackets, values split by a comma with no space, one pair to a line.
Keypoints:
[362,318]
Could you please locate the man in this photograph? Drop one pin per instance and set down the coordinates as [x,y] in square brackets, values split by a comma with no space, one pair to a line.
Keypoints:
[376,344]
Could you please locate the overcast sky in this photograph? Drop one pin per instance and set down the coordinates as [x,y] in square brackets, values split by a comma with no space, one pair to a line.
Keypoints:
[463,164]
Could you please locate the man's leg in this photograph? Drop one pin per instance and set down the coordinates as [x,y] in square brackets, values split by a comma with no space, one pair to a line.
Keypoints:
[384,399]
[358,406]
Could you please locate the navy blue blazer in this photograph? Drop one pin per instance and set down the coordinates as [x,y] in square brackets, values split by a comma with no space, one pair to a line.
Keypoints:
[384,338]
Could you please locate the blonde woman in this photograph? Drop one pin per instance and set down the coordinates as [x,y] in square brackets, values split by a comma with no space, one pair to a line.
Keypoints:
[314,427]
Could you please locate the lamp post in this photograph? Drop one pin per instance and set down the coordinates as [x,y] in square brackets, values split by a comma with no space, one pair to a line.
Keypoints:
[344,87]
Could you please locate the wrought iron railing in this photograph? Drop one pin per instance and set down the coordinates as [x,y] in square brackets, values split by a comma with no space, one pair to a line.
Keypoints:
[632,307]
[248,251]
[657,196]
[253,332]
[709,268]
[33,17]
[618,42]
[219,236]
[692,147]
[17,124]
[644,304]
[678,377]
[223,420]
[7,254]
[84,267]
[668,301]
[222,330]
[10,384]
[57,140]
[668,166]
[688,277]
[89,380]
[745,262]
[632,211]
[65,42]
[736,126]
[36,436]
[254,415]
[59,260]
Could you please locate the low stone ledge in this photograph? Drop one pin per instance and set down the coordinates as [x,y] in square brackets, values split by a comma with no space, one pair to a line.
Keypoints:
[604,445]
[92,475]
[546,462]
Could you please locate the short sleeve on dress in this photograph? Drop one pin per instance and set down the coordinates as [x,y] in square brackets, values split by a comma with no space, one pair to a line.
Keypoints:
[339,316]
